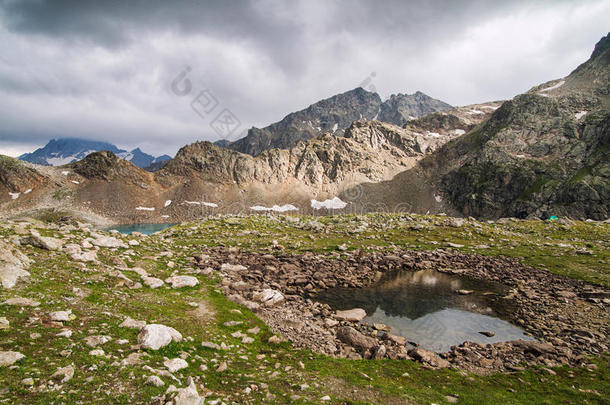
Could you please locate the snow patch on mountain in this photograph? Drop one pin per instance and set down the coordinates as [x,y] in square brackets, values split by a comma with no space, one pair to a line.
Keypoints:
[332,204]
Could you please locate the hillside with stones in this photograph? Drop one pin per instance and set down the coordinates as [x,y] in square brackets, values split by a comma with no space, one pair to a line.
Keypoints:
[206,313]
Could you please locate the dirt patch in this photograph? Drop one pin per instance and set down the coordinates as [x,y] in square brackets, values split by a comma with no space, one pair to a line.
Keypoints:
[203,312]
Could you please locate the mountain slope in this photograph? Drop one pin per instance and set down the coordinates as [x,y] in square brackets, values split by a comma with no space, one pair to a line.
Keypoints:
[334,115]
[63,151]
[546,152]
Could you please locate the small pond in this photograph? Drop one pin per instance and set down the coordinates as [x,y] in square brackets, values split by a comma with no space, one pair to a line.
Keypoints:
[425,307]
[146,229]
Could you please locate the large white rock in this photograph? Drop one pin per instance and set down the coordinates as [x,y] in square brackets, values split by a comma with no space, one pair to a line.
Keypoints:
[90,256]
[268,297]
[182,281]
[45,242]
[62,316]
[107,241]
[10,274]
[9,358]
[21,302]
[155,336]
[353,315]
[176,364]
[152,282]
[132,323]
[12,265]
[184,396]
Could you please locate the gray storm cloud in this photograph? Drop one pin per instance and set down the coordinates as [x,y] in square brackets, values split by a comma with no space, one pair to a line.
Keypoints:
[103,70]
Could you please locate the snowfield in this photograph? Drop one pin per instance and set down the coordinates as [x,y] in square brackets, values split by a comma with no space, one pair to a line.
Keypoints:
[556,86]
[276,208]
[333,204]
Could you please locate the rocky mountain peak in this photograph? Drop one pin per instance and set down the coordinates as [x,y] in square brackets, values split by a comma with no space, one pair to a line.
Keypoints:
[400,108]
[105,165]
[58,152]
[334,115]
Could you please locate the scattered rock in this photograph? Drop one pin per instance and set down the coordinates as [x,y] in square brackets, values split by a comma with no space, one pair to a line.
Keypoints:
[487,333]
[21,302]
[131,323]
[352,315]
[154,381]
[43,242]
[182,281]
[94,341]
[210,345]
[4,323]
[133,359]
[62,316]
[428,357]
[67,333]
[399,340]
[176,364]
[451,399]
[107,242]
[222,367]
[465,292]
[28,382]
[182,396]
[268,297]
[232,267]
[63,374]
[152,282]
[352,337]
[156,336]
[9,358]
[10,274]
[453,245]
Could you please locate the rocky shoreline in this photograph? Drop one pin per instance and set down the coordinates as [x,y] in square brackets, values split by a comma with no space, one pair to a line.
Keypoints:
[569,318]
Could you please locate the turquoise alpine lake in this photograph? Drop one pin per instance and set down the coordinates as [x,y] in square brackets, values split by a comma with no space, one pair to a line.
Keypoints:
[146,229]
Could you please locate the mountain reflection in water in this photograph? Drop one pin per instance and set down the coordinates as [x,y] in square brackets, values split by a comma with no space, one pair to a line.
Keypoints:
[423,306]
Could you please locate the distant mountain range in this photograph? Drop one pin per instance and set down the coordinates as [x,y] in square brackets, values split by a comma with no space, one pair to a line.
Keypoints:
[334,115]
[543,153]
[63,151]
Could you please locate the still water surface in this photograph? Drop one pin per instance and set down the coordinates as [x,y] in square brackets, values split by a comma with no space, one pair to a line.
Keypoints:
[146,229]
[423,306]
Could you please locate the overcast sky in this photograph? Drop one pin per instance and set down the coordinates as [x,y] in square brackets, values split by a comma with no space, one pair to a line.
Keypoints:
[104,70]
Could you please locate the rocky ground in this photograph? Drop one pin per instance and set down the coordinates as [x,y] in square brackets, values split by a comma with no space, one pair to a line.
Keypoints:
[569,317]
[221,311]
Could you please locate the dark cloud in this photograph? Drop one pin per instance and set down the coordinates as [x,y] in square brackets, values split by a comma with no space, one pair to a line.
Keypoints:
[103,69]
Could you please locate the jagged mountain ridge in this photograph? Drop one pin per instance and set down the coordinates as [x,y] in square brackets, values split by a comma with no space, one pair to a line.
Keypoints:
[334,115]
[63,151]
[400,108]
